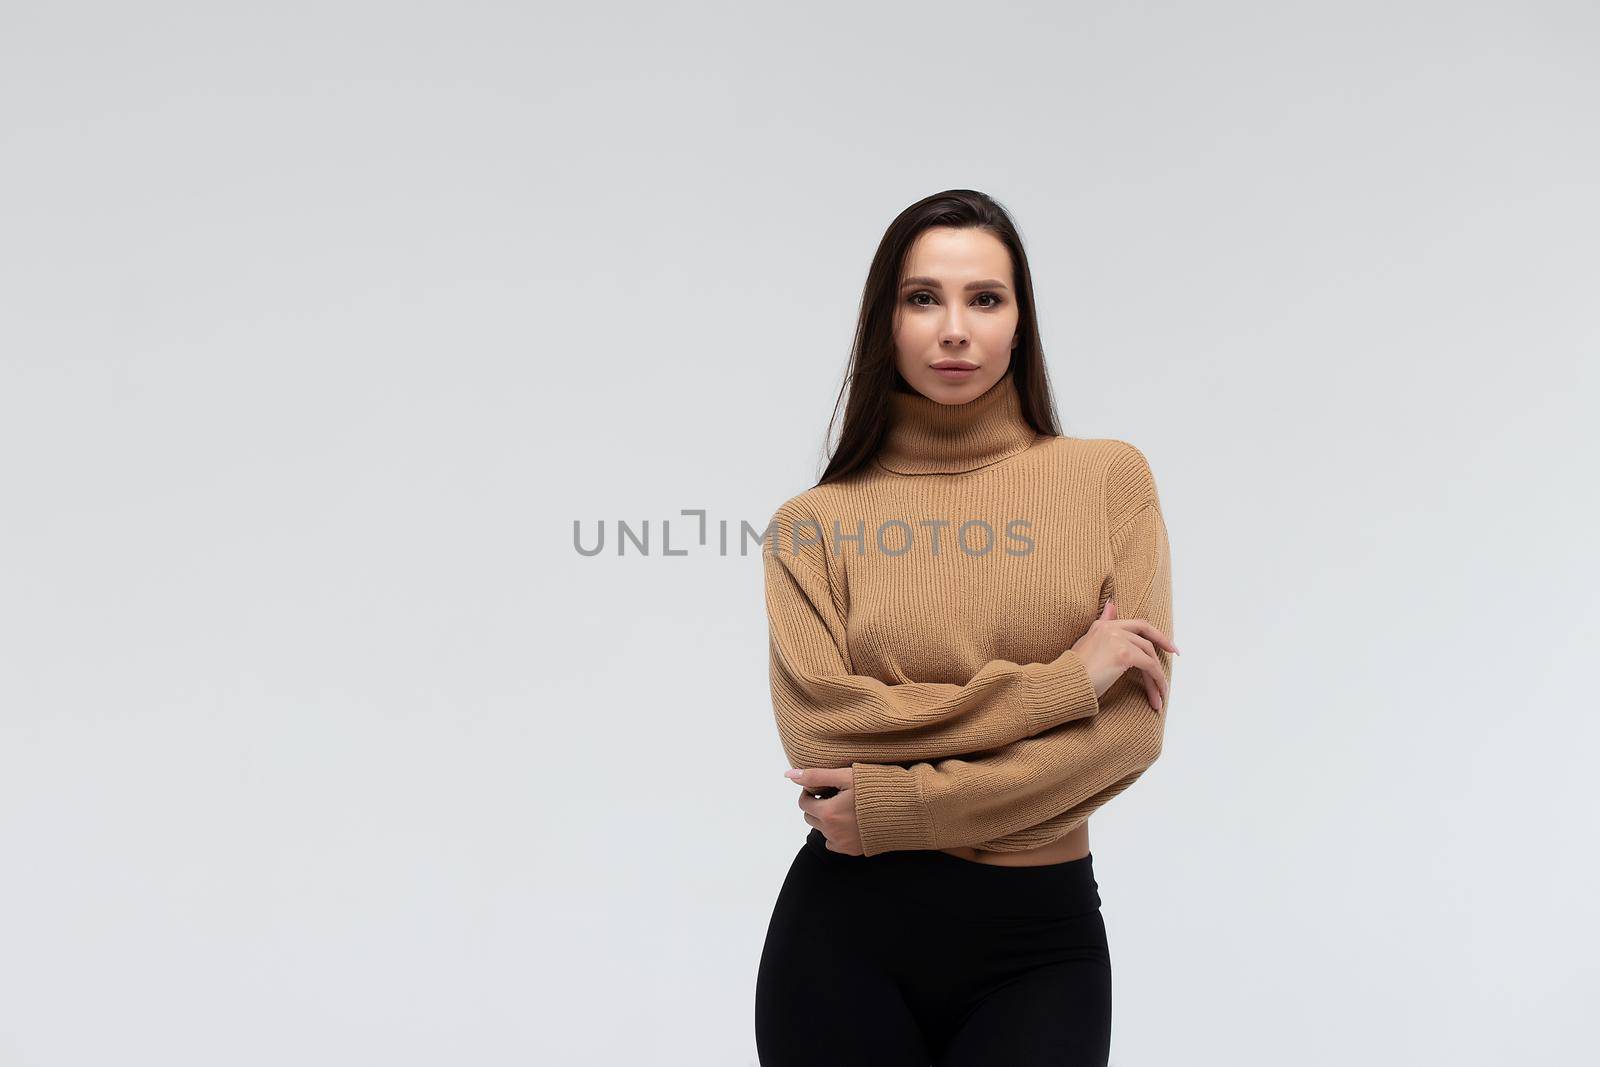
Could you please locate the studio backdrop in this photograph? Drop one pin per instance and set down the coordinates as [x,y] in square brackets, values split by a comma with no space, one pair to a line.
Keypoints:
[335,338]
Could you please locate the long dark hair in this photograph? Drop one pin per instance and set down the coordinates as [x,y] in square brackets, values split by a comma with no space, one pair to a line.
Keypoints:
[872,375]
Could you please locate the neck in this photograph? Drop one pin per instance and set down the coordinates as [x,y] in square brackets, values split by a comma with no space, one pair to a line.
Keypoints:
[927,437]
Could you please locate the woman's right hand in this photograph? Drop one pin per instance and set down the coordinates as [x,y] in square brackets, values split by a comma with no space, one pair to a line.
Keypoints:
[1111,645]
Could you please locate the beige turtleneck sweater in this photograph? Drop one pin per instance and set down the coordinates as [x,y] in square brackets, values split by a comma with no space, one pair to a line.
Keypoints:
[921,616]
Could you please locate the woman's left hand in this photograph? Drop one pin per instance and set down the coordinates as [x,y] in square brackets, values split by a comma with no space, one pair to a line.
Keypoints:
[835,816]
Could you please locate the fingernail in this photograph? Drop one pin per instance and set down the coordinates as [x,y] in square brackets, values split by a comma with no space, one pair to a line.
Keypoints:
[791,774]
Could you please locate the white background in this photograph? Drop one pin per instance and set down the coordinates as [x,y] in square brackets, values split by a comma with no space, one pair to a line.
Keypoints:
[320,324]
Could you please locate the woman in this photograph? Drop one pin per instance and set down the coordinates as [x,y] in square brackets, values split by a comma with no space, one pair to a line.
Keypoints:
[970,654]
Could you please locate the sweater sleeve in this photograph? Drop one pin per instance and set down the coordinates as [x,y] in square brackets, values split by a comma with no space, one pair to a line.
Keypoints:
[1035,790]
[829,717]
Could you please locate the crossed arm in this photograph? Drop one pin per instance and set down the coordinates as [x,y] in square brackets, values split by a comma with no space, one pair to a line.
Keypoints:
[1016,757]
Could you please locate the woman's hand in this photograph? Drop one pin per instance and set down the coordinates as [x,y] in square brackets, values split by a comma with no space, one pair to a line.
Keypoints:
[1111,645]
[834,815]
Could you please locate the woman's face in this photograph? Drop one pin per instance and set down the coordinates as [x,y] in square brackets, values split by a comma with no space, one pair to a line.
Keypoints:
[955,306]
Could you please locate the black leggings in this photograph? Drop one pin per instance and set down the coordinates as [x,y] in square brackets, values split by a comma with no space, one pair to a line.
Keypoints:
[906,959]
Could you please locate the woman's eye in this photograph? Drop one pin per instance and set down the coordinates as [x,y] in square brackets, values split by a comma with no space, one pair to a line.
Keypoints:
[913,299]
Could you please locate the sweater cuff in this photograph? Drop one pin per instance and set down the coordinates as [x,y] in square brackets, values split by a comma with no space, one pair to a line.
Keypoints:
[1057,692]
[889,809]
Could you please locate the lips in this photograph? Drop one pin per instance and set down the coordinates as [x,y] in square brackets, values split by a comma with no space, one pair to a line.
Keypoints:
[954,364]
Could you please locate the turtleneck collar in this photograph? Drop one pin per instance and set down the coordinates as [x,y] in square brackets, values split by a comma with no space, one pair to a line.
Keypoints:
[927,437]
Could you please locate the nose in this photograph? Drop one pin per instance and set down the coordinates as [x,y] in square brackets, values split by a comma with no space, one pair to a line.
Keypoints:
[954,332]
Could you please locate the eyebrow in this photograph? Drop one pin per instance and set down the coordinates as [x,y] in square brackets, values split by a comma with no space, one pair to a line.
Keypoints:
[933,283]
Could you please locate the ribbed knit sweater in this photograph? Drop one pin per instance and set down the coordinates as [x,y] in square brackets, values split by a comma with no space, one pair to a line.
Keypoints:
[921,614]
